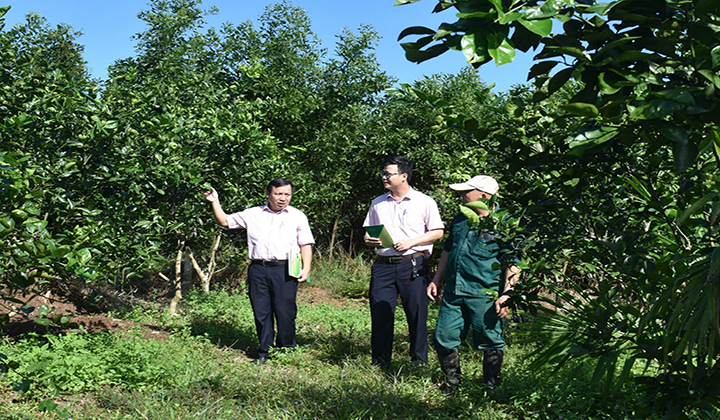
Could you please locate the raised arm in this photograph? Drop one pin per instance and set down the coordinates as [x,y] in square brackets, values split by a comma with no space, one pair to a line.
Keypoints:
[214,199]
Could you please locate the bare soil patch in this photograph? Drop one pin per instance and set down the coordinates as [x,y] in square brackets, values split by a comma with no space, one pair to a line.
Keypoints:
[92,318]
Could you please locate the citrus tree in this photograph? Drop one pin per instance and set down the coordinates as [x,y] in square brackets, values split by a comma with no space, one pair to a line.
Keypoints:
[180,125]
[48,227]
[619,182]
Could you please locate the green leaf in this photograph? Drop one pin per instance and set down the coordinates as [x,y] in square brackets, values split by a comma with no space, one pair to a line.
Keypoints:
[418,56]
[711,76]
[478,15]
[657,108]
[402,2]
[671,131]
[506,18]
[696,206]
[714,270]
[42,321]
[581,109]
[84,255]
[592,138]
[639,187]
[616,43]
[22,386]
[559,80]
[607,88]
[445,29]
[478,204]
[473,218]
[542,27]
[543,67]
[572,182]
[554,51]
[598,9]
[474,52]
[47,405]
[549,8]
[501,50]
[684,156]
[415,30]
[61,251]
[681,95]
[715,55]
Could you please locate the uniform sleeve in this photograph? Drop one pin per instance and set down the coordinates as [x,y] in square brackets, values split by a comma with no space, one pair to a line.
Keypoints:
[447,246]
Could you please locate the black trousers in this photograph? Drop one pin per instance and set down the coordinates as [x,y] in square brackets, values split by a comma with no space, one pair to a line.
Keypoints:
[386,283]
[272,296]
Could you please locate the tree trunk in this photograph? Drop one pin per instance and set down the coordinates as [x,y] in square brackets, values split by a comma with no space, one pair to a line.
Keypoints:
[332,237]
[206,276]
[178,280]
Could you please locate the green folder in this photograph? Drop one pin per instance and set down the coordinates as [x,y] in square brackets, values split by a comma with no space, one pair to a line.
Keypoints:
[379,231]
[295,262]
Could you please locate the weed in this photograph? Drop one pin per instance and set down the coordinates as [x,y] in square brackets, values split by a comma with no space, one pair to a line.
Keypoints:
[201,370]
[343,276]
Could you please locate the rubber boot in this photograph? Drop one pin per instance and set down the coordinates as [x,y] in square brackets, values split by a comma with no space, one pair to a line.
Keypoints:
[450,365]
[492,362]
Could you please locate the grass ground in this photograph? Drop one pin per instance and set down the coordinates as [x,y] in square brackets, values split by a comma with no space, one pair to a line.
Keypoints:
[198,366]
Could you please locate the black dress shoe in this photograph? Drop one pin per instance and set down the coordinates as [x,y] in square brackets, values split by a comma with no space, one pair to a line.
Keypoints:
[259,361]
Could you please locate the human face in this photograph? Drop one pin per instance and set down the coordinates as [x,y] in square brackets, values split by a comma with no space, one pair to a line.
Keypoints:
[393,177]
[473,195]
[279,197]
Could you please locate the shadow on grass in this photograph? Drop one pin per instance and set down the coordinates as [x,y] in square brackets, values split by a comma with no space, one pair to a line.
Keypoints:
[337,347]
[226,335]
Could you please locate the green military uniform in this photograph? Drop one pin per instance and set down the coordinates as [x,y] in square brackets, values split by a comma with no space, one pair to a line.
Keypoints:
[473,265]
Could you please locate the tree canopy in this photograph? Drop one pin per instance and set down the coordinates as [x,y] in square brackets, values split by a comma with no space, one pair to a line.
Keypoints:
[616,179]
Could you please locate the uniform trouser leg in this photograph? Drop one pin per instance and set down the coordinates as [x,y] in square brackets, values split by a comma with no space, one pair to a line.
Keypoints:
[455,312]
[487,336]
[415,304]
[447,338]
[450,324]
[272,295]
[487,326]
[383,300]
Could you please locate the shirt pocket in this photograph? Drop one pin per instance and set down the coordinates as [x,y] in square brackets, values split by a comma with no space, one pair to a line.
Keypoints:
[481,245]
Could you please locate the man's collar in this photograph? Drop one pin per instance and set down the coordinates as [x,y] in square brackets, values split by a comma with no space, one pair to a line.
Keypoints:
[266,206]
[409,195]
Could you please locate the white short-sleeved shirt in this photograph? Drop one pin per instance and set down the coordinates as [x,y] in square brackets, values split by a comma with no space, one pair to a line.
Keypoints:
[271,235]
[408,218]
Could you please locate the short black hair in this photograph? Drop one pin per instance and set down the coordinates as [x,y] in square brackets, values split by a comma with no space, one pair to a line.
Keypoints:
[280,182]
[405,165]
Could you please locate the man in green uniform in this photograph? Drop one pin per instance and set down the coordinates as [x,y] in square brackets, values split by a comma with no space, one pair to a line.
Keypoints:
[470,262]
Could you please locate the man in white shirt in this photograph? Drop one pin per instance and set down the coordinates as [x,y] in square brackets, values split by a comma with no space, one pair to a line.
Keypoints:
[274,230]
[413,221]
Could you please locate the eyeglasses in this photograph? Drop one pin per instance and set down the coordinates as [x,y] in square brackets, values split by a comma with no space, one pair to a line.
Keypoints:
[388,174]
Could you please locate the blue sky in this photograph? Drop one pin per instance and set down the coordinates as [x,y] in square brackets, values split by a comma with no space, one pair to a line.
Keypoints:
[108,26]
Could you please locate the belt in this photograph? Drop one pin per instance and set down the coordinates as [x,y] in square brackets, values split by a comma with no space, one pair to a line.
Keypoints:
[268,263]
[398,259]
